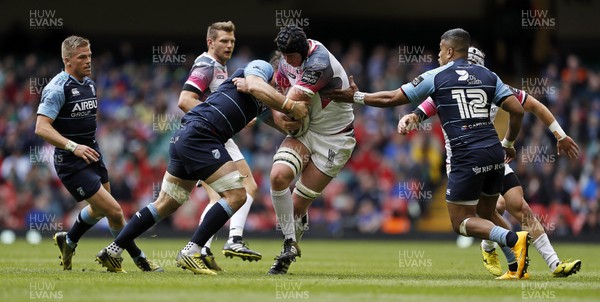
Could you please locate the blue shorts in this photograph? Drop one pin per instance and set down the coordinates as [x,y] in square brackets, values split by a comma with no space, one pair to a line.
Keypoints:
[475,172]
[196,152]
[82,182]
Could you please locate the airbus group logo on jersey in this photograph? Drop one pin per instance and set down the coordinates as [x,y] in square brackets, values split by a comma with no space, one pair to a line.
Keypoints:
[83,108]
[465,76]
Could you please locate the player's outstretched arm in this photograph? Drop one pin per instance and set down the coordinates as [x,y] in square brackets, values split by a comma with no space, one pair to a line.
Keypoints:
[260,89]
[375,99]
[514,108]
[44,129]
[564,143]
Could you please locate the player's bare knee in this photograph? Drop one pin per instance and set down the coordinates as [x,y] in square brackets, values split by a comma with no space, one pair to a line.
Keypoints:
[236,198]
[114,213]
[280,180]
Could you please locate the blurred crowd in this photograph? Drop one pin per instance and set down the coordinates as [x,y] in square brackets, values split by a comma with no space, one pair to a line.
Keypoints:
[389,183]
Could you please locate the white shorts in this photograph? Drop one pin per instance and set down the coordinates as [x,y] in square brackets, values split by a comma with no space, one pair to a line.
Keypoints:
[233,150]
[329,152]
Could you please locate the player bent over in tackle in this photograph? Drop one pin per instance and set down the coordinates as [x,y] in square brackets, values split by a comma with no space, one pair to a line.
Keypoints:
[66,118]
[463,94]
[210,71]
[197,152]
[512,193]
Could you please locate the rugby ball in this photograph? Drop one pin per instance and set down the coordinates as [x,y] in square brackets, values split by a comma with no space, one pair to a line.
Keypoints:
[302,130]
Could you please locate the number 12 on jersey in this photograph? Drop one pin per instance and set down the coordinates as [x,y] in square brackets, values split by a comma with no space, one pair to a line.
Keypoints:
[471,102]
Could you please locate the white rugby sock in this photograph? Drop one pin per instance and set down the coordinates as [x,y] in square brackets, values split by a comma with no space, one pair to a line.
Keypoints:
[114,250]
[238,220]
[284,209]
[487,245]
[190,249]
[543,246]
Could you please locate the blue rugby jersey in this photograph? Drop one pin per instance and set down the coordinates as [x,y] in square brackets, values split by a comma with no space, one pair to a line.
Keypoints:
[72,105]
[228,111]
[463,94]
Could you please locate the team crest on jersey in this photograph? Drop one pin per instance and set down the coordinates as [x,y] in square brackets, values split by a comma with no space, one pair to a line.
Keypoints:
[75,92]
[311,77]
[216,153]
[416,81]
[330,157]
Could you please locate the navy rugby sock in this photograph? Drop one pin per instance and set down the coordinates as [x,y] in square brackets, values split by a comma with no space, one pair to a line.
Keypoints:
[215,218]
[139,223]
[133,250]
[83,223]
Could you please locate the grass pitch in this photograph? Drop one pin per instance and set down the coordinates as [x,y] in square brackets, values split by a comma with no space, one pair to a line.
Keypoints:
[329,270]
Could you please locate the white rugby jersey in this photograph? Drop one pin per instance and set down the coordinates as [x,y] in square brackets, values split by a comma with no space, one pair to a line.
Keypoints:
[205,76]
[320,72]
